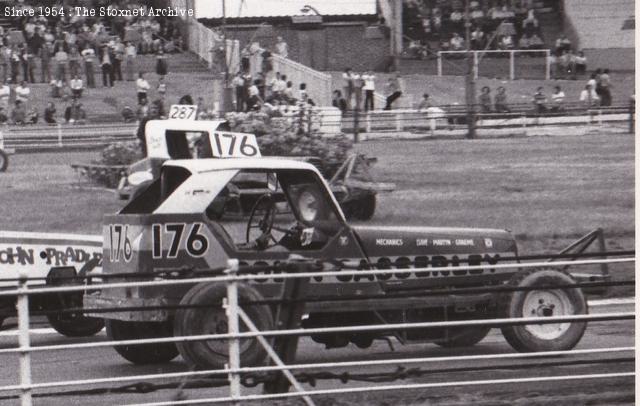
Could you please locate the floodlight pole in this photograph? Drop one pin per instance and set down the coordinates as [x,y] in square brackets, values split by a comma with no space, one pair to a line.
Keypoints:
[470,88]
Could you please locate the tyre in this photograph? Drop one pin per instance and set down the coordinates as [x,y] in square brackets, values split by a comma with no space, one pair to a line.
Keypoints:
[4,161]
[142,354]
[464,337]
[73,324]
[543,303]
[213,354]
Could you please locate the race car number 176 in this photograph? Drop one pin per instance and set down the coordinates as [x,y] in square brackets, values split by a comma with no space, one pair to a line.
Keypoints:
[195,243]
[234,145]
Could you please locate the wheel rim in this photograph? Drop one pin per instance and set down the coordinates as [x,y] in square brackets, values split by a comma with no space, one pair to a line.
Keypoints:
[547,303]
[216,323]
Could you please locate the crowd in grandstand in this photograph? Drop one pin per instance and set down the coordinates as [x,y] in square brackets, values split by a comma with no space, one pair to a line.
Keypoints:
[66,51]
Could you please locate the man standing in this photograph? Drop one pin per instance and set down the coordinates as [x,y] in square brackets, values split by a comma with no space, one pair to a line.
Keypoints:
[142,87]
[369,90]
[106,59]
[46,54]
[605,88]
[540,101]
[119,55]
[5,93]
[394,90]
[282,48]
[349,86]
[89,56]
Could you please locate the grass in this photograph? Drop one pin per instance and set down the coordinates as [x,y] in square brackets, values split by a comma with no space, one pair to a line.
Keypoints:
[547,190]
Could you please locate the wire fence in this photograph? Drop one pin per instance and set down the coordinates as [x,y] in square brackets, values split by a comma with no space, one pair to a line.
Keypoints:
[237,308]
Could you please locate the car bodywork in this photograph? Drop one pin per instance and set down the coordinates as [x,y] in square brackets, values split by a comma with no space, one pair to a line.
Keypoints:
[170,226]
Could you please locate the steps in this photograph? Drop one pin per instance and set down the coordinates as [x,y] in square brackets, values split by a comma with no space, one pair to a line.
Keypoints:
[185,62]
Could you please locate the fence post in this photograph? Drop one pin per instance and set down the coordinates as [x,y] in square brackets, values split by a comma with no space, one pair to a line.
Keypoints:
[23,340]
[231,308]
[512,65]
[439,63]
[59,128]
[368,122]
[475,65]
[547,73]
[356,124]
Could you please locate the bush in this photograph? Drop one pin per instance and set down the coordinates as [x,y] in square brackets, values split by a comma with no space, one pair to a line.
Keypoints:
[293,136]
[116,156]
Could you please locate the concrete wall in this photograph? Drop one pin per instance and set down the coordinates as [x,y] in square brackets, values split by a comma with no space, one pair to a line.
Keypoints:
[330,46]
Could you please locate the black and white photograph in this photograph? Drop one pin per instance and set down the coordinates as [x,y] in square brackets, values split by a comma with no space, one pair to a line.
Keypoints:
[317,202]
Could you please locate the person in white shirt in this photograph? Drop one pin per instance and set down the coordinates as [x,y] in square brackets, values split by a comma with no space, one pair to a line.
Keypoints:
[369,90]
[76,86]
[5,93]
[557,99]
[589,96]
[23,92]
[142,87]
[282,48]
[349,86]
[457,43]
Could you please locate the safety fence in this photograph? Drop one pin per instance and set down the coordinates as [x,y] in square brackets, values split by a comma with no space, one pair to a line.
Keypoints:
[23,138]
[280,345]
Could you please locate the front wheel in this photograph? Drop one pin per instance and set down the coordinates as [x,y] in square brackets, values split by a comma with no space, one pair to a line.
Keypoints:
[142,354]
[73,324]
[546,302]
[206,316]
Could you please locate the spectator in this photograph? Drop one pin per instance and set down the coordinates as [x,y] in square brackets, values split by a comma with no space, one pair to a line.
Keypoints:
[457,42]
[56,89]
[477,38]
[302,94]
[288,93]
[535,42]
[540,101]
[369,90]
[15,64]
[525,42]
[500,101]
[118,57]
[106,63]
[130,64]
[282,48]
[593,81]
[5,94]
[394,90]
[557,100]
[50,114]
[605,88]
[143,109]
[26,59]
[4,118]
[4,62]
[589,97]
[142,87]
[161,89]
[238,84]
[186,99]
[19,113]
[23,92]
[425,103]
[485,100]
[349,86]
[74,61]
[65,91]
[89,56]
[254,102]
[456,20]
[506,42]
[46,55]
[140,132]
[581,63]
[128,115]
[61,58]
[358,84]
[339,101]
[158,104]
[161,63]
[530,24]
[74,113]
[76,86]
[32,116]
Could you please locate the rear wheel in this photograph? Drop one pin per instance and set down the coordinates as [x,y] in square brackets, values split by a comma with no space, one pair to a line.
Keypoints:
[464,337]
[4,161]
[362,208]
[197,320]
[118,330]
[546,302]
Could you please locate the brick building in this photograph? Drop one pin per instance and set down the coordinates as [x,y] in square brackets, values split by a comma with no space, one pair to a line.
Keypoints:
[324,35]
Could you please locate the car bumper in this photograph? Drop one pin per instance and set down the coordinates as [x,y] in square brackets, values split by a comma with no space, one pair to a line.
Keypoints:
[133,307]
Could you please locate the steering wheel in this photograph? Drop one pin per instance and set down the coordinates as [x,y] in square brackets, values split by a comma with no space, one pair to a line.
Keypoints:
[262,222]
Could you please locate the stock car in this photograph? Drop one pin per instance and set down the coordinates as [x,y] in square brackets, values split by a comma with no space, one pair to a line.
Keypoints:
[178,224]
